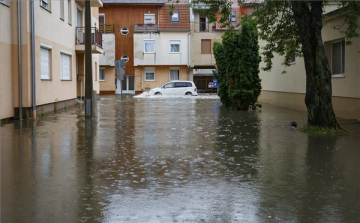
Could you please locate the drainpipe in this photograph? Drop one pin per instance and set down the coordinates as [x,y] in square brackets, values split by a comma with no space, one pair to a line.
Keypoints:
[33,59]
[20,59]
[188,63]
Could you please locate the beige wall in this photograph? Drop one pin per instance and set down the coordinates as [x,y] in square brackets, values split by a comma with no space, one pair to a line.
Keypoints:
[6,97]
[289,89]
[162,76]
[109,83]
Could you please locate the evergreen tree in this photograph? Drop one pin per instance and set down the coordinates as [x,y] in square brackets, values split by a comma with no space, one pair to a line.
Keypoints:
[238,61]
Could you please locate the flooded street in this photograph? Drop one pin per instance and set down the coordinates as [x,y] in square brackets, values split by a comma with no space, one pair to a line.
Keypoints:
[177,160]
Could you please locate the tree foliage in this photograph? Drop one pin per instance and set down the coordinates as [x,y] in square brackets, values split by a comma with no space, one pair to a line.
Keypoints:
[238,59]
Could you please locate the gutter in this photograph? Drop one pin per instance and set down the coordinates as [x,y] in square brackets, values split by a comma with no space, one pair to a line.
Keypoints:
[33,60]
[20,58]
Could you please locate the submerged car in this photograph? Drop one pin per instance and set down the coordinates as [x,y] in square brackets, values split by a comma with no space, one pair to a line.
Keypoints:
[176,88]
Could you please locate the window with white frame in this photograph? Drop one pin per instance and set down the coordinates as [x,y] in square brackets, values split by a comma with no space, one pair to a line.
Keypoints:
[45,4]
[45,63]
[175,46]
[149,18]
[232,16]
[175,17]
[65,66]
[149,74]
[69,12]
[338,57]
[62,9]
[149,46]
[102,74]
[174,74]
[101,18]
[125,57]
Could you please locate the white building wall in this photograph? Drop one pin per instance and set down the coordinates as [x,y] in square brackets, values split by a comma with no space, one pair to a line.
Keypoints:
[107,59]
[162,54]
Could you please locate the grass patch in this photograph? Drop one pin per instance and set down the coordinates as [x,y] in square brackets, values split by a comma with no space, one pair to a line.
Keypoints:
[316,130]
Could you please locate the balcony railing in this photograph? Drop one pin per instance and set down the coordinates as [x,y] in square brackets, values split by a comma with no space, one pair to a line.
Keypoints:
[106,28]
[203,27]
[96,36]
[146,28]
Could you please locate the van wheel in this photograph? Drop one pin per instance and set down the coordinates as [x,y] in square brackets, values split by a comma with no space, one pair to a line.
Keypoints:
[188,93]
[158,93]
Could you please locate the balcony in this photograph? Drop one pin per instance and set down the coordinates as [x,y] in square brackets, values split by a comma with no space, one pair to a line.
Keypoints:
[106,28]
[204,27]
[93,3]
[96,40]
[146,28]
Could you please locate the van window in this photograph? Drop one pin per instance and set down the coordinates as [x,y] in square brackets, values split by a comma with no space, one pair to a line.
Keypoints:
[188,84]
[180,84]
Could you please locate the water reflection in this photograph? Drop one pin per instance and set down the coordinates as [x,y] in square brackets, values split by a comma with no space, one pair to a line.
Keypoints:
[186,160]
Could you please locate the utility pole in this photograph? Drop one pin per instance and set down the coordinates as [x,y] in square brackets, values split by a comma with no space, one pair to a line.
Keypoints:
[88,63]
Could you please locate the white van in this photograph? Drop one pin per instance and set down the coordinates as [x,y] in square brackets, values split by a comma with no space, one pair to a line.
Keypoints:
[176,88]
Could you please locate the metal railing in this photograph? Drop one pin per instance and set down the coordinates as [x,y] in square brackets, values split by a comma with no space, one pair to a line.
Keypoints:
[106,28]
[96,36]
[146,28]
[203,27]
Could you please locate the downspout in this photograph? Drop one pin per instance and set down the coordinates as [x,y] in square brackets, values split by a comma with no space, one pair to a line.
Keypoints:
[188,63]
[33,59]
[20,59]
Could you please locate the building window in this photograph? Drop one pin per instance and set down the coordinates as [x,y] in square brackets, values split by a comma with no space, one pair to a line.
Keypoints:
[149,73]
[102,74]
[292,59]
[149,18]
[65,67]
[101,18]
[45,63]
[62,9]
[124,31]
[174,74]
[232,16]
[3,1]
[175,17]
[338,57]
[205,46]
[175,46]
[125,57]
[69,12]
[203,26]
[149,46]
[45,4]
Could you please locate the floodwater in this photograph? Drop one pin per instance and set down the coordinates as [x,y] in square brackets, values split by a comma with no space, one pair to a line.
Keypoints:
[177,160]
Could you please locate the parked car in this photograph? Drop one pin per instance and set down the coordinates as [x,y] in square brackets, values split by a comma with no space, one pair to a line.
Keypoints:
[176,88]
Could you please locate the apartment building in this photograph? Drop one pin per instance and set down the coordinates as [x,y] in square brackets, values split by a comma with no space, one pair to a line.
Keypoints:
[58,59]
[154,44]
[203,36]
[289,89]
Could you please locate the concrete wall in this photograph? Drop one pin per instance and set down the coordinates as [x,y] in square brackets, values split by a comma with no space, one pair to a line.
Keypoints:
[108,85]
[108,58]
[6,69]
[162,76]
[289,89]
[162,55]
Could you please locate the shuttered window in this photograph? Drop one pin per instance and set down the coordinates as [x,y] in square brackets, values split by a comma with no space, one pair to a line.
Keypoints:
[65,67]
[45,64]
[205,46]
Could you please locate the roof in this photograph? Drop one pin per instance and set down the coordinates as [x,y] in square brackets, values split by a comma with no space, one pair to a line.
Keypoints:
[134,1]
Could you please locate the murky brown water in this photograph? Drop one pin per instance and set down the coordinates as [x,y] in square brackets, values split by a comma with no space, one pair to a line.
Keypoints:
[177,160]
